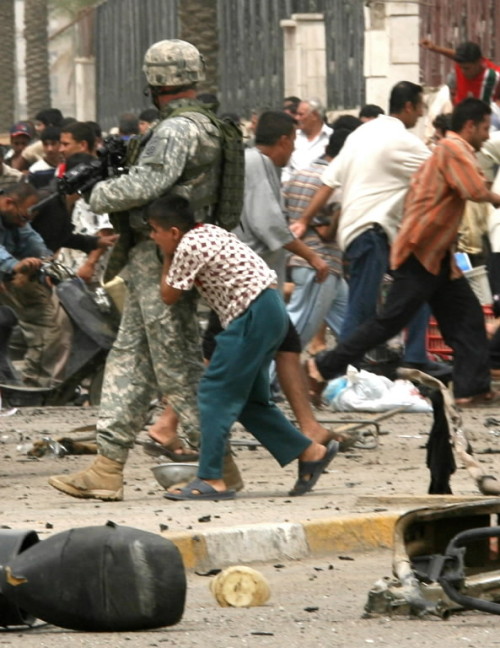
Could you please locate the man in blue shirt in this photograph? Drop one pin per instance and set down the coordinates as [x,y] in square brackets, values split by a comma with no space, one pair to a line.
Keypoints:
[45,325]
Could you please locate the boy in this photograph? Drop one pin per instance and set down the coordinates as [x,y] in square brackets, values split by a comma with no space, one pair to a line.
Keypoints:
[240,287]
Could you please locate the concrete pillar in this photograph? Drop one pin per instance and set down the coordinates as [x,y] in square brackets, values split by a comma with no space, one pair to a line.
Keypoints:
[20,92]
[391,48]
[305,56]
[85,89]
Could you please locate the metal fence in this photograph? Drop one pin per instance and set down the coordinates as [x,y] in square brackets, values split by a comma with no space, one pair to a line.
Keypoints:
[250,61]
[450,22]
[124,31]
[251,51]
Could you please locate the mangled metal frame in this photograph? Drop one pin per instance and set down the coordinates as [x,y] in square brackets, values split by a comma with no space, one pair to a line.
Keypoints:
[444,561]
[487,484]
[446,558]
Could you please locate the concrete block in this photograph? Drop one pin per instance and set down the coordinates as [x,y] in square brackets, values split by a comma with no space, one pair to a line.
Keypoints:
[312,35]
[403,72]
[376,62]
[377,91]
[193,548]
[404,40]
[349,534]
[402,8]
[254,543]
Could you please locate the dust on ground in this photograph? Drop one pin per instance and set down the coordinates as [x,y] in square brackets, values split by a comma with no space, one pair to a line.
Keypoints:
[358,481]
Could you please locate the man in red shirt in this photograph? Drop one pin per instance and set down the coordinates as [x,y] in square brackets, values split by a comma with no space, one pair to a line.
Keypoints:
[476,76]
[424,268]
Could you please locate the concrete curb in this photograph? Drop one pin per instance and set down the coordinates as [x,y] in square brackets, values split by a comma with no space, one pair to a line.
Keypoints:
[250,543]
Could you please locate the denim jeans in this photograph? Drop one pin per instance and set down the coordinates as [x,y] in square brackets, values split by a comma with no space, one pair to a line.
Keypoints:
[367,257]
[368,260]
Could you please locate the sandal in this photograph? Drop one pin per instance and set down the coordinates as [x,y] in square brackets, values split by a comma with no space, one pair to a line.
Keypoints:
[155,449]
[199,490]
[311,471]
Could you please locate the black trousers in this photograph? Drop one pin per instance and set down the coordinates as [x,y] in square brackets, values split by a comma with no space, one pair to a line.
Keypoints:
[456,309]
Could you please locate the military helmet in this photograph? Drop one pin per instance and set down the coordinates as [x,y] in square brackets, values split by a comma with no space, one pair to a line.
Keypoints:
[173,63]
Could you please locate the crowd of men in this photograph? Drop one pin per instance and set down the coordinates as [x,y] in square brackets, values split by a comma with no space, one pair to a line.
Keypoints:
[328,208]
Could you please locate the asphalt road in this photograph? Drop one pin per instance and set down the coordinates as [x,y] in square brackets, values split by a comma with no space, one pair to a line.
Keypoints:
[315,603]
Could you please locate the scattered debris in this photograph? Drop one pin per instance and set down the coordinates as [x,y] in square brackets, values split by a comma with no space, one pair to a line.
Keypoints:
[210,572]
[205,518]
[443,563]
[240,586]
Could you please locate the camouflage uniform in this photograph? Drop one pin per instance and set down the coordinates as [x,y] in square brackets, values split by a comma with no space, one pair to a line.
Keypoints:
[157,349]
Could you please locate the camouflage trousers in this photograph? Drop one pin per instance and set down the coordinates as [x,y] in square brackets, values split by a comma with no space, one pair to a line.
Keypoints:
[157,352]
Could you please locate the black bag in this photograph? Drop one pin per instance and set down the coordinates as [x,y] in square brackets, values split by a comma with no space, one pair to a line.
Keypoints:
[97,579]
[228,203]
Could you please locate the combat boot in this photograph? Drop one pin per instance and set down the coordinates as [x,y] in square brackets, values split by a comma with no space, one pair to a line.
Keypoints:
[102,480]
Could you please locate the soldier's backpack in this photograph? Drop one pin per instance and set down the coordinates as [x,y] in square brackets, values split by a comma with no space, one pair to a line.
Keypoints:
[228,203]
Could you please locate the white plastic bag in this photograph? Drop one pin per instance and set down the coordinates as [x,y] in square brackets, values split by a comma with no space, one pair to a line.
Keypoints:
[366,392]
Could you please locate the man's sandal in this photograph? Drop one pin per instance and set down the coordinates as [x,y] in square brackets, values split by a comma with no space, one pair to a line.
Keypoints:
[175,451]
[311,471]
[199,490]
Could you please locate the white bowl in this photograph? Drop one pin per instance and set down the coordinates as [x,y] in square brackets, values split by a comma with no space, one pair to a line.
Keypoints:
[167,474]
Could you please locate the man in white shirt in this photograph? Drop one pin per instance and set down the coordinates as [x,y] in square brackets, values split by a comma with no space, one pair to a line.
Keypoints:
[311,139]
[374,170]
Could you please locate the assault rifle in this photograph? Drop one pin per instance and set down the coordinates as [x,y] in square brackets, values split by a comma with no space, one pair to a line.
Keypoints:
[110,162]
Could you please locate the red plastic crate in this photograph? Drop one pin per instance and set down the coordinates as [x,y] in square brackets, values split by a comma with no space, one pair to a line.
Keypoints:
[435,342]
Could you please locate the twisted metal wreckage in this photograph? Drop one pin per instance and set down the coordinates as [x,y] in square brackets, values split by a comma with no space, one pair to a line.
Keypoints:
[446,558]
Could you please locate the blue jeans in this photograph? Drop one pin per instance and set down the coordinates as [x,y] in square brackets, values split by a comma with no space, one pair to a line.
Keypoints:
[368,260]
[367,257]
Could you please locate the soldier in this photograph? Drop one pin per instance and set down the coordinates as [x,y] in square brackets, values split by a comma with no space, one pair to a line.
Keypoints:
[158,348]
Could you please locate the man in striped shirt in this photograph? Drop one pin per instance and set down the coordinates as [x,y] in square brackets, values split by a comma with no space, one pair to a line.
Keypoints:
[476,76]
[312,302]
[424,267]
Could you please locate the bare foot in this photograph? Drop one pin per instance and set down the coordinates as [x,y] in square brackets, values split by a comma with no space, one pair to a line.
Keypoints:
[320,434]
[314,452]
[318,343]
[164,431]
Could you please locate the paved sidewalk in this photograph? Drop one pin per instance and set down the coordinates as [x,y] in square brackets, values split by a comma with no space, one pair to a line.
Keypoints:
[353,507]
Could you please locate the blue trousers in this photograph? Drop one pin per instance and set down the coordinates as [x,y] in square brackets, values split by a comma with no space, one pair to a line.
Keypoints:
[368,260]
[235,387]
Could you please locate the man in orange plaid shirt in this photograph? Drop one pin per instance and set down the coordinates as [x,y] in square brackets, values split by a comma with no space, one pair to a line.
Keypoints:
[422,260]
